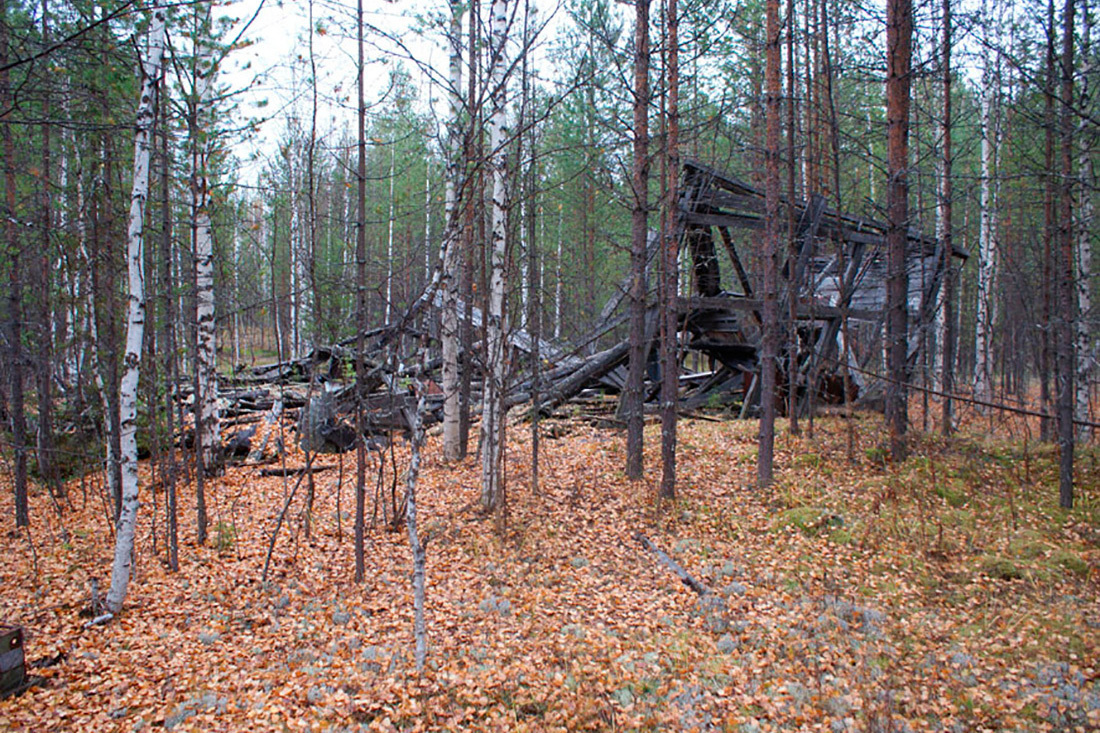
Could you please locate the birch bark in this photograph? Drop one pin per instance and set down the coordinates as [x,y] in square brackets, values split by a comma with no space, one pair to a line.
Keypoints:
[135,329]
[492,414]
[987,231]
[1087,176]
[206,335]
[449,333]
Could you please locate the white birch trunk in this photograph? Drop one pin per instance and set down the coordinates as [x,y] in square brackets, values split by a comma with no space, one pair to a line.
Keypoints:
[135,328]
[939,325]
[492,414]
[524,279]
[389,239]
[557,278]
[427,221]
[237,298]
[1084,252]
[987,253]
[416,427]
[206,351]
[448,326]
[295,262]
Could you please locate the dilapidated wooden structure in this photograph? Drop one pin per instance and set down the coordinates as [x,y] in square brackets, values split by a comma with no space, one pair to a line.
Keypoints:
[833,272]
[834,268]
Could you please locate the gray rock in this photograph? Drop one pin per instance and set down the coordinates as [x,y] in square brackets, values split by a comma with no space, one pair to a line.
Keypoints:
[579,562]
[729,570]
[575,630]
[624,696]
[683,546]
[837,706]
[727,644]
[341,618]
[301,657]
[798,692]
[735,589]
[492,604]
[716,623]
[181,714]
[209,638]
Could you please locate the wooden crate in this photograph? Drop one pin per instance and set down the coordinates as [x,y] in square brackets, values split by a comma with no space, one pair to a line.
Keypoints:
[13,670]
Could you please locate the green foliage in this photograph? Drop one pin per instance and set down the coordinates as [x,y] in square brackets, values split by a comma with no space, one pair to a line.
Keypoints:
[225,536]
[952,495]
[1000,568]
[1070,561]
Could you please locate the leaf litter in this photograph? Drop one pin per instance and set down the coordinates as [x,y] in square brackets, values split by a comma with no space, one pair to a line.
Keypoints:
[945,593]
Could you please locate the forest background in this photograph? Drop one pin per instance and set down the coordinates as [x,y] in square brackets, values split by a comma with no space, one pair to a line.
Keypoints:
[294,203]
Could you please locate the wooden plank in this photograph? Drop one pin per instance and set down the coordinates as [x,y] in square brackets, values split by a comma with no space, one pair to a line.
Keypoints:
[737,304]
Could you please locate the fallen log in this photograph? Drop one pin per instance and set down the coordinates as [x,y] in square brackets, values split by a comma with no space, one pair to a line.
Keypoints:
[596,367]
[294,471]
[684,576]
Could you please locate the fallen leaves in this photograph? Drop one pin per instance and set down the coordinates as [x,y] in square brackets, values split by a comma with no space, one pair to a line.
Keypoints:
[853,594]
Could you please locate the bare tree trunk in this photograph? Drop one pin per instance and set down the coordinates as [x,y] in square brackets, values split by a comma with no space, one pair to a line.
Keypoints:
[792,294]
[135,328]
[770,342]
[206,398]
[15,293]
[492,414]
[416,429]
[360,307]
[1046,355]
[632,394]
[533,305]
[899,34]
[1084,251]
[987,230]
[449,328]
[670,367]
[1066,359]
[171,361]
[947,335]
[472,183]
[43,326]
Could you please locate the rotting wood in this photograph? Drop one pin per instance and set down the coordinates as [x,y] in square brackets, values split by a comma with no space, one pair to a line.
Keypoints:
[684,576]
[294,470]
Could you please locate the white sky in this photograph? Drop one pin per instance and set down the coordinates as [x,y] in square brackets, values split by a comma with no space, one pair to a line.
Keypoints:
[277,67]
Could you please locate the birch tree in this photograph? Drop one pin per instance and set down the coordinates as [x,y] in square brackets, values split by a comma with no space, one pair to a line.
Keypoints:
[135,327]
[1087,176]
[987,229]
[492,414]
[206,404]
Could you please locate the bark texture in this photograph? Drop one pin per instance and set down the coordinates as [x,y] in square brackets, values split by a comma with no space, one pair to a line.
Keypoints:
[135,326]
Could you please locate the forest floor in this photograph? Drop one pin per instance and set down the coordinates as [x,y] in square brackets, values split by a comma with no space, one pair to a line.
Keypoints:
[948,592]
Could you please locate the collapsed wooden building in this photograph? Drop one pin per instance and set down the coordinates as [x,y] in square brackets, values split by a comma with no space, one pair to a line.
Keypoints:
[835,269]
[834,274]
